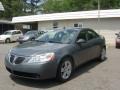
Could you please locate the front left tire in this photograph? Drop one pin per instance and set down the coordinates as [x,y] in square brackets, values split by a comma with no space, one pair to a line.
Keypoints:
[65,70]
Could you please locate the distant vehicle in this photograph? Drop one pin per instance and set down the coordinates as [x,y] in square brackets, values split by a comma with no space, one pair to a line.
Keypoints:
[55,54]
[117,40]
[11,35]
[29,36]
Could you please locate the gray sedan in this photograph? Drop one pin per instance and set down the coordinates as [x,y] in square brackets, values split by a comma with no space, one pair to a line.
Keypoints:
[28,36]
[55,54]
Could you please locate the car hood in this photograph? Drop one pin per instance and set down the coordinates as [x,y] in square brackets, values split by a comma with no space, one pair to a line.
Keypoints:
[30,48]
[4,36]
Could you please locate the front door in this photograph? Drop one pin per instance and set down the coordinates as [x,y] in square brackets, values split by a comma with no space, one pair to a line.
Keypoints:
[82,51]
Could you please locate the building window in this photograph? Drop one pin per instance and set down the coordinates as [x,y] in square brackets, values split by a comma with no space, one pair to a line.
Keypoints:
[55,24]
[26,26]
[78,25]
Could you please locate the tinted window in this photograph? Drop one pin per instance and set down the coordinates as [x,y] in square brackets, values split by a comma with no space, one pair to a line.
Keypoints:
[82,35]
[91,35]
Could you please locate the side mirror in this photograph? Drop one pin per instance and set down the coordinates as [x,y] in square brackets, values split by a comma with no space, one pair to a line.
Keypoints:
[116,34]
[80,41]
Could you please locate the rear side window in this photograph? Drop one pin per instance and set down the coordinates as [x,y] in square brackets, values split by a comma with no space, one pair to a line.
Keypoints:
[91,35]
[13,33]
[18,32]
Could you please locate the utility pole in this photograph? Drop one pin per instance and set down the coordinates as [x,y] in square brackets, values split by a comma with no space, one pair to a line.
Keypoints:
[98,14]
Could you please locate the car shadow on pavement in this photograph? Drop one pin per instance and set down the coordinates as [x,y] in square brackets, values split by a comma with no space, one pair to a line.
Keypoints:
[44,84]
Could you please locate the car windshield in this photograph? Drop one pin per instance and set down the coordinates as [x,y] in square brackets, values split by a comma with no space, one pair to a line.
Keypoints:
[61,36]
[7,33]
[30,32]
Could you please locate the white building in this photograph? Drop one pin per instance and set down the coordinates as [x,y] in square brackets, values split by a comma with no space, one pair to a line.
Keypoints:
[107,25]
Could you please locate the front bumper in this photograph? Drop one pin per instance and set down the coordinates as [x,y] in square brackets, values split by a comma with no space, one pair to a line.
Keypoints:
[32,71]
[22,41]
[1,40]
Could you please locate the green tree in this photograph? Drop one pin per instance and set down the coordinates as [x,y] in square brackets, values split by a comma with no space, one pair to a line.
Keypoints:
[33,5]
[51,6]
[12,8]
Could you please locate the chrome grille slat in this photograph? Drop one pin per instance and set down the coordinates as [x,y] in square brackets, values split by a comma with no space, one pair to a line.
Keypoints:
[14,59]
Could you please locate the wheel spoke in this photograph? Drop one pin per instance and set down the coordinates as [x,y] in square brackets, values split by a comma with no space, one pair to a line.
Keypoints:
[66,69]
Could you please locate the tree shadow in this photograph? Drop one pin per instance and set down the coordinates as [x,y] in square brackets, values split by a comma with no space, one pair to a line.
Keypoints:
[44,84]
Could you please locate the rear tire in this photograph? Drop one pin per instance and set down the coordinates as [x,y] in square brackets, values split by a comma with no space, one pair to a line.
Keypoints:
[65,70]
[7,40]
[102,56]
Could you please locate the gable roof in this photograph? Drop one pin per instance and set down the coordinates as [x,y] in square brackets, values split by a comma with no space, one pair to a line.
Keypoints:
[111,13]
[1,7]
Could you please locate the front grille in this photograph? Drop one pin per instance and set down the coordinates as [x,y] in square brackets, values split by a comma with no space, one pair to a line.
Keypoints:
[16,59]
[12,57]
[24,74]
[19,60]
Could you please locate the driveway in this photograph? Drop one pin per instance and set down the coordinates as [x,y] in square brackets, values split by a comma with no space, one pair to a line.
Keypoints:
[94,75]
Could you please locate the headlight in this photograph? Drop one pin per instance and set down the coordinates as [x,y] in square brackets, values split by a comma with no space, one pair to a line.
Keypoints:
[26,38]
[41,58]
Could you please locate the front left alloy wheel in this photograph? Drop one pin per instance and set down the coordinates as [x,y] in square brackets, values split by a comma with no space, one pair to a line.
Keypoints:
[65,70]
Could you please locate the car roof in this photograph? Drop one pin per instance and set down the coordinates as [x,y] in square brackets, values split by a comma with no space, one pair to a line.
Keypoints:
[78,29]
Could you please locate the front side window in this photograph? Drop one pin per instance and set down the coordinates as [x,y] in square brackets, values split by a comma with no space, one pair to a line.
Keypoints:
[62,36]
[82,35]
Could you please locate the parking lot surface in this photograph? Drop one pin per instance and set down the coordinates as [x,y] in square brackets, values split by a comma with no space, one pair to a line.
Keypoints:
[94,75]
